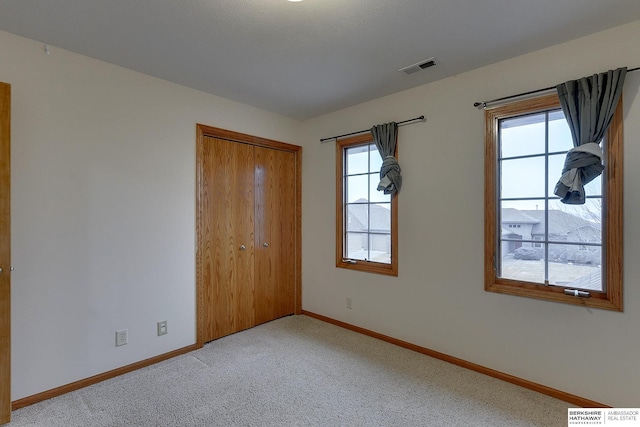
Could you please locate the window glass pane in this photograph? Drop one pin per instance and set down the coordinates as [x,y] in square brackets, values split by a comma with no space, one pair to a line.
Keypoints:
[381,217]
[357,188]
[523,178]
[357,246]
[522,261]
[521,224]
[538,239]
[375,159]
[367,212]
[556,163]
[357,160]
[522,136]
[575,266]
[380,248]
[559,132]
[576,223]
[526,205]
[594,188]
[377,196]
[358,217]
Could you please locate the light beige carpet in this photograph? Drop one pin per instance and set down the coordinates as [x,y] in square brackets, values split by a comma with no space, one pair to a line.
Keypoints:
[299,371]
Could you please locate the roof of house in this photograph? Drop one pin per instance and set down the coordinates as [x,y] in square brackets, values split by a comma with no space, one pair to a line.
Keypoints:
[560,223]
[380,217]
[508,231]
[516,216]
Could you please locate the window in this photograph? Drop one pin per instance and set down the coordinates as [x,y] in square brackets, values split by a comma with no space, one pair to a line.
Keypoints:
[539,238]
[562,253]
[367,224]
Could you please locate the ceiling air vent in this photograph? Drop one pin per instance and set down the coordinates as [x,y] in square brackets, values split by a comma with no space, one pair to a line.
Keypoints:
[427,63]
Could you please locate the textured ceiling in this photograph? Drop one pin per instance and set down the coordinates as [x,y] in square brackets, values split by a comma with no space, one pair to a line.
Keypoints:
[308,58]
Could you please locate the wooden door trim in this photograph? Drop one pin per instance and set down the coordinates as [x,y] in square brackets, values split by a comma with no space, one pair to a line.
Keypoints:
[5,252]
[203,131]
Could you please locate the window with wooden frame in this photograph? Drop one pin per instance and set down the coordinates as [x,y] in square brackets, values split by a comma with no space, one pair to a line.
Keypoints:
[366,219]
[557,252]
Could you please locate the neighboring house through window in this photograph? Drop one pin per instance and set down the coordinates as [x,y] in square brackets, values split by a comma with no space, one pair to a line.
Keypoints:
[535,245]
[366,237]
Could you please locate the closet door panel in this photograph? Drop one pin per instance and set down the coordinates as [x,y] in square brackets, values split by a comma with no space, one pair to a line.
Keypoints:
[275,216]
[228,222]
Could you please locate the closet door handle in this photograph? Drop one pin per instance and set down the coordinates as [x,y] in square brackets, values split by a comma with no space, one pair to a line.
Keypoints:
[265,244]
[243,247]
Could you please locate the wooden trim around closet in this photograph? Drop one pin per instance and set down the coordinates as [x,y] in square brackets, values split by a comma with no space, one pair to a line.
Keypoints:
[5,253]
[203,131]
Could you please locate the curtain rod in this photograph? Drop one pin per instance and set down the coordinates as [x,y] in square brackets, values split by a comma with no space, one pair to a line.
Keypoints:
[323,140]
[481,105]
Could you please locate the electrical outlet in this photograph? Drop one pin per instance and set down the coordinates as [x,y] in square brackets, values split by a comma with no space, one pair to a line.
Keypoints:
[162,328]
[349,303]
[121,337]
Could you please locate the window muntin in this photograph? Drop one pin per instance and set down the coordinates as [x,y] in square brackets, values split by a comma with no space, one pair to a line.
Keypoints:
[535,245]
[368,224]
[545,250]
[366,236]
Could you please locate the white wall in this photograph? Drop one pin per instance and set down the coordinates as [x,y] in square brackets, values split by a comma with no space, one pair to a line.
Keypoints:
[103,210]
[438,301]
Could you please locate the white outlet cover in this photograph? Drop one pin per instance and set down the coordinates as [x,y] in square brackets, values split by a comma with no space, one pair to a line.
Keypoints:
[121,337]
[162,328]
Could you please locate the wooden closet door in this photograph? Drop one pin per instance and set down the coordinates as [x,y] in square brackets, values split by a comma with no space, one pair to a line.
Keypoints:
[275,216]
[227,221]
[5,253]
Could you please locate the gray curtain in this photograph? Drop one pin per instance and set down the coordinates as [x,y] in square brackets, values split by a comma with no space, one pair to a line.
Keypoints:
[386,137]
[588,105]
